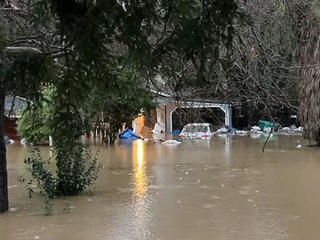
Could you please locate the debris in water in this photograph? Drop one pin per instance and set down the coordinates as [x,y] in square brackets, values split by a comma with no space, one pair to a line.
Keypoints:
[241,133]
[186,172]
[255,129]
[222,131]
[23,141]
[207,206]
[89,200]
[13,209]
[179,201]
[7,140]
[171,142]
[180,178]
[255,135]
[250,200]
[267,129]
[299,146]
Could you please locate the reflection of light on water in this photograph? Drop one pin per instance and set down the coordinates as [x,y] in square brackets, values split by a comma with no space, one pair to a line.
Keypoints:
[140,178]
[140,154]
[141,206]
[227,147]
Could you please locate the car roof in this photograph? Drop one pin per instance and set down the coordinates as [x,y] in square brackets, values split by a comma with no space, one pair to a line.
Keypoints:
[198,124]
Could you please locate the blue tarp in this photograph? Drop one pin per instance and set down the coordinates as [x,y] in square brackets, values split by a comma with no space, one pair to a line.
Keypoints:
[128,134]
[176,132]
[231,129]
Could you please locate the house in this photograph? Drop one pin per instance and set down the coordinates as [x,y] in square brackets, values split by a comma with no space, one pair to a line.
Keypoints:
[12,111]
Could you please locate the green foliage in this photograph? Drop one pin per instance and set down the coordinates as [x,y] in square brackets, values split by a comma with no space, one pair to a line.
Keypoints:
[147,30]
[121,97]
[189,8]
[77,176]
[2,39]
[42,173]
[281,7]
[26,75]
[35,124]
[48,208]
[76,169]
[74,173]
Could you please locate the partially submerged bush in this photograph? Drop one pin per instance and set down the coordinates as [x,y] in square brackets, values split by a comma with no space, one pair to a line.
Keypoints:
[77,169]
[73,174]
[40,172]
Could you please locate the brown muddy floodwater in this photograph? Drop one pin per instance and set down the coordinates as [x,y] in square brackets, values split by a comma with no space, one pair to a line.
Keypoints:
[222,189]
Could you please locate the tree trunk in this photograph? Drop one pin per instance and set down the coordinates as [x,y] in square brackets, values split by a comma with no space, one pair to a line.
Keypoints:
[307,35]
[4,205]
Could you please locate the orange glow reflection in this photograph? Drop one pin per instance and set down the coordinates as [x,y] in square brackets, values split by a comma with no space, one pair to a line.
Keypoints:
[140,178]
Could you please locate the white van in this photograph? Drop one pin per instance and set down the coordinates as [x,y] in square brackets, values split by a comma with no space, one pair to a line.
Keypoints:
[197,130]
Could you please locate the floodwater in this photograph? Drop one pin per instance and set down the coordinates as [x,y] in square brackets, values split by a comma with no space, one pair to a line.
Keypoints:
[222,189]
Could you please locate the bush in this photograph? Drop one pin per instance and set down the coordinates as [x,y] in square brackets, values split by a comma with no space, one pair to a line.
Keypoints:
[36,121]
[73,174]
[73,168]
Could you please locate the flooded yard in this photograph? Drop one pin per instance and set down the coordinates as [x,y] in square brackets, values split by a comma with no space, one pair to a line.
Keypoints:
[222,189]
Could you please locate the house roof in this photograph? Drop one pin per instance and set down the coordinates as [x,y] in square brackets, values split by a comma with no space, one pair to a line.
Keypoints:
[14,106]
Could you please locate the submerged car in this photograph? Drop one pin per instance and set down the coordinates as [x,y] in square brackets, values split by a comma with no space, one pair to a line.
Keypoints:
[197,130]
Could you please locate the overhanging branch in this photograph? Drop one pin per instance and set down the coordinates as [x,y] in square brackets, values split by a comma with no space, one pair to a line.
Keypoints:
[22,50]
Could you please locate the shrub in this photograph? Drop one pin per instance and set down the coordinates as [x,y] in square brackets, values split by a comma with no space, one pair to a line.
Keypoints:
[35,122]
[75,174]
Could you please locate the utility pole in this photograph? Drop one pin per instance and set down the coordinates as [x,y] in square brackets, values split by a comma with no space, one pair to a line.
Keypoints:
[4,202]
